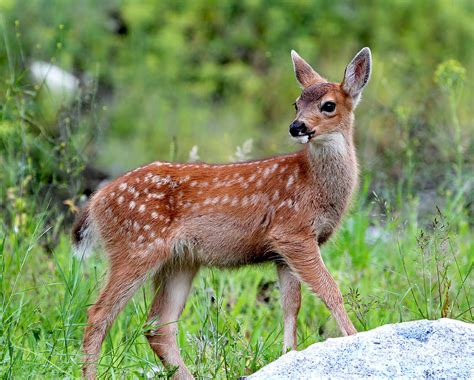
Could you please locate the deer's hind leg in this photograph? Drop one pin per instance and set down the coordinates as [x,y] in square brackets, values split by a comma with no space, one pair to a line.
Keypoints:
[290,289]
[172,289]
[124,278]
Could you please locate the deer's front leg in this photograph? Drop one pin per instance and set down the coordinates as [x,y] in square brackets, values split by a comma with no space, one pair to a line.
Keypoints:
[304,258]
[290,290]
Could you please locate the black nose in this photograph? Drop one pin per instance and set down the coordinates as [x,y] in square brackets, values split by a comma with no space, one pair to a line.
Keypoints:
[297,128]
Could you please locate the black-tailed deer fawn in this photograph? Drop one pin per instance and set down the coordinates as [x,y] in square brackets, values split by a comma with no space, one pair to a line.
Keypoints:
[167,220]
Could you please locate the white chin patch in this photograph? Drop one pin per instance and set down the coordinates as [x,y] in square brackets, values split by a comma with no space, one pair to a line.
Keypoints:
[301,139]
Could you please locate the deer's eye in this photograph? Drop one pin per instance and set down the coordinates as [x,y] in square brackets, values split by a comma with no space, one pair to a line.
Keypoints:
[328,107]
[296,106]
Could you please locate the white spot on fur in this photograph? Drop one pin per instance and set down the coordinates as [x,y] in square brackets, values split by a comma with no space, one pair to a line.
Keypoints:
[120,200]
[290,182]
[154,215]
[132,205]
[142,208]
[123,186]
[254,199]
[136,226]
[276,195]
[161,180]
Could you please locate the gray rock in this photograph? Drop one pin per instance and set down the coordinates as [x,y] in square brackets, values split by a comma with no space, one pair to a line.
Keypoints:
[419,349]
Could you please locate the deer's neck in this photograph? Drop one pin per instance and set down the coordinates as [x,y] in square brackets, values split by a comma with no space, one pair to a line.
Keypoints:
[332,161]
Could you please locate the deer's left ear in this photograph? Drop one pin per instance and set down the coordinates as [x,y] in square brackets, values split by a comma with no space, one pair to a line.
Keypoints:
[305,75]
[357,74]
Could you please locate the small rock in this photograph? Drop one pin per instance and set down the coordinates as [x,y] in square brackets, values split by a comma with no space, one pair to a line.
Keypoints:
[418,349]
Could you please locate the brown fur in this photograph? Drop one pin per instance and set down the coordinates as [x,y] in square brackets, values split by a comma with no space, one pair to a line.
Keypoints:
[167,220]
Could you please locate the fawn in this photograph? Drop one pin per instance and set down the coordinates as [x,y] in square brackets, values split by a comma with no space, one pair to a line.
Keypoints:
[165,220]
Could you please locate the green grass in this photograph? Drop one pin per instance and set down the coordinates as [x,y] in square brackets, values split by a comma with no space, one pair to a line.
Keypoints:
[215,74]
[232,324]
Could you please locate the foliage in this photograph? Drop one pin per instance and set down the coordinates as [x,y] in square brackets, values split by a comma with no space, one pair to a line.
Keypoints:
[212,80]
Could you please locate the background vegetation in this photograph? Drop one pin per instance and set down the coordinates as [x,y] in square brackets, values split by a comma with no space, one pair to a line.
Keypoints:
[158,78]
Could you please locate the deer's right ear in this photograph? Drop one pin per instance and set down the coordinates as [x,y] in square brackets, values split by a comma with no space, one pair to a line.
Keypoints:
[305,75]
[357,74]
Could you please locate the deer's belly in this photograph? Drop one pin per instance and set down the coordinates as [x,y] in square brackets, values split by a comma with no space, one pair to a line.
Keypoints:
[223,241]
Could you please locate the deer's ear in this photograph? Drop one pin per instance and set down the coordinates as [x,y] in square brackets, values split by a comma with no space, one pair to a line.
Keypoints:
[305,75]
[357,74]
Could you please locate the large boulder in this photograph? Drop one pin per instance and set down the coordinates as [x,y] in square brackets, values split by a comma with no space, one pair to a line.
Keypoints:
[419,349]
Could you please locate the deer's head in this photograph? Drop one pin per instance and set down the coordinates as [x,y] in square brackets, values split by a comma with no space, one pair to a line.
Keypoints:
[325,108]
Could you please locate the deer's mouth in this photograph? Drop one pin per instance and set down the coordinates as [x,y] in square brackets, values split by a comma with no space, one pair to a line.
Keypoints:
[304,138]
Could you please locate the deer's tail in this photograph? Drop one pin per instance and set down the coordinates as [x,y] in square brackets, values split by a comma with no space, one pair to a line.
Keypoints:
[84,234]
